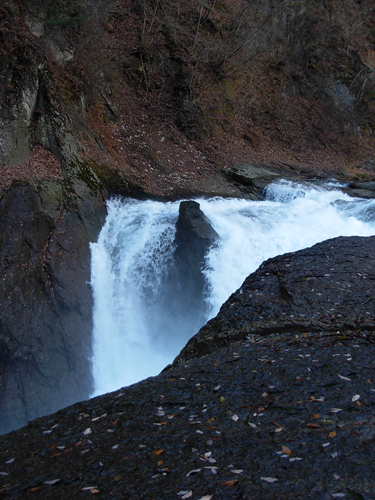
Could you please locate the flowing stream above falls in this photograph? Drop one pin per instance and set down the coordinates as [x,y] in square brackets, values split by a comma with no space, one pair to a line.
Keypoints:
[137,331]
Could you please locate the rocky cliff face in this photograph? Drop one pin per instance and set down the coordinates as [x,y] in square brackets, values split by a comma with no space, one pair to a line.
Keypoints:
[45,297]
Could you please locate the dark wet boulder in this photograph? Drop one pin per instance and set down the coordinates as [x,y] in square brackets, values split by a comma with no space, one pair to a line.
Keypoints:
[325,288]
[194,237]
[361,189]
[45,297]
[251,179]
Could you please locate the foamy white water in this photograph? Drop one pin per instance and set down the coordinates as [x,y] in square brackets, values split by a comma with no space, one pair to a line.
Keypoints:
[135,332]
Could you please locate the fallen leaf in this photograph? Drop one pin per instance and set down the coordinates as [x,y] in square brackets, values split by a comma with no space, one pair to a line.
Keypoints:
[217,388]
[277,425]
[53,481]
[313,426]
[188,494]
[336,410]
[94,490]
[332,434]
[87,431]
[344,378]
[88,488]
[212,469]
[237,471]
[356,397]
[260,409]
[222,399]
[269,479]
[264,395]
[158,452]
[115,422]
[235,417]
[279,429]
[206,497]
[286,450]
[253,426]
[194,471]
[160,463]
[117,478]
[35,489]
[316,415]
[101,416]
[230,483]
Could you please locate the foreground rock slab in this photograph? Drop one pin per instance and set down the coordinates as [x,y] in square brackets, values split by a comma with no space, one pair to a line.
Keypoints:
[281,417]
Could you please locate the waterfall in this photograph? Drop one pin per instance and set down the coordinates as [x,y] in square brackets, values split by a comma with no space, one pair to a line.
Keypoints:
[136,333]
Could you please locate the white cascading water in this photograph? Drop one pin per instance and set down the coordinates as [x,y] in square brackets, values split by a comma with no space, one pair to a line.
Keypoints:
[135,335]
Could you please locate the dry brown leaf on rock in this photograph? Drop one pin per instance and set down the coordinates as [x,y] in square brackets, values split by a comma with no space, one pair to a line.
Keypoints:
[230,483]
[286,450]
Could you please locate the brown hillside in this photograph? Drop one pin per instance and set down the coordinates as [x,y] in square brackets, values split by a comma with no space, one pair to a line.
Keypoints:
[170,92]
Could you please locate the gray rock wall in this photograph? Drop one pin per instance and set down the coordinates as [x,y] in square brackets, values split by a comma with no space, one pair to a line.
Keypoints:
[45,297]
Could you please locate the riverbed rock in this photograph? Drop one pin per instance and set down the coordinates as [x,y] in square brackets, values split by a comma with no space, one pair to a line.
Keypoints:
[251,178]
[194,237]
[325,288]
[361,189]
[45,297]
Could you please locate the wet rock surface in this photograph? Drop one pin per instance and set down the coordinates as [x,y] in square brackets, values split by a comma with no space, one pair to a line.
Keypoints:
[275,417]
[45,297]
[194,237]
[251,179]
[279,416]
[361,189]
[328,287]
[179,307]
